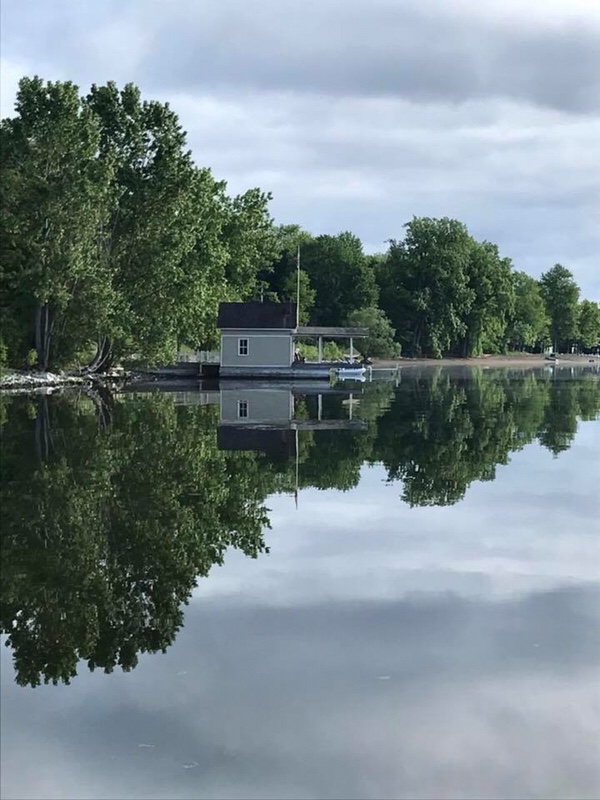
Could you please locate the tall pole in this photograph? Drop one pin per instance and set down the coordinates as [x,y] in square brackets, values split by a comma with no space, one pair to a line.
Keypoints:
[298,288]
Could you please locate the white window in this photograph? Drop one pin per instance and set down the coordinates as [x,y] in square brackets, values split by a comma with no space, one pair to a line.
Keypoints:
[242,409]
[242,347]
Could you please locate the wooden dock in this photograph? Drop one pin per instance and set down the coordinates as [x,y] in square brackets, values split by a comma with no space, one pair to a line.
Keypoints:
[301,425]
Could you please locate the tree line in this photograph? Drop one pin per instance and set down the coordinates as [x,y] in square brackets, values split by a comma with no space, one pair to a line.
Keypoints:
[115,245]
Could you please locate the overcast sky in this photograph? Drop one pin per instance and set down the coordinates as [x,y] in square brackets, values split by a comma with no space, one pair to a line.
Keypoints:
[359,114]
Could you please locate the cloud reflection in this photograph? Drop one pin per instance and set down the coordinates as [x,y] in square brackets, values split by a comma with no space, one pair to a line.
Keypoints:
[481,699]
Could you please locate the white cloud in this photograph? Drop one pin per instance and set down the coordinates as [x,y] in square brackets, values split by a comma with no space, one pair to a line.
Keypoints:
[360,115]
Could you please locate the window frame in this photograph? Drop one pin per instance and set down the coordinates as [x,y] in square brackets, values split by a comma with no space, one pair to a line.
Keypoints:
[246,341]
[243,408]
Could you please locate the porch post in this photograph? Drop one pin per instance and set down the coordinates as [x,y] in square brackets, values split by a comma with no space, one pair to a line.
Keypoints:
[351,349]
[319,406]
[320,357]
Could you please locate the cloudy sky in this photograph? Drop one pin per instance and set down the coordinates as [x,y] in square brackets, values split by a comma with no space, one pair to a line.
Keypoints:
[359,114]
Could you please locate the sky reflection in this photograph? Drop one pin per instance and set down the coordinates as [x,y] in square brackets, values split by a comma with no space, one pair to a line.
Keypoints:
[378,651]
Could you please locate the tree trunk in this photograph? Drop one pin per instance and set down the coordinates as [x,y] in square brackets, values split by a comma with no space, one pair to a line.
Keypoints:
[102,361]
[47,337]
[416,339]
[38,334]
[42,336]
[104,403]
[43,433]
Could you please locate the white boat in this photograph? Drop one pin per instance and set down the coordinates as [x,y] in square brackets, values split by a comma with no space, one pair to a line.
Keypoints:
[351,372]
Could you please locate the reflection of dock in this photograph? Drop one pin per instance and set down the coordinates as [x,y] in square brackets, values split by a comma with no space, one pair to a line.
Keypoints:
[303,425]
[269,417]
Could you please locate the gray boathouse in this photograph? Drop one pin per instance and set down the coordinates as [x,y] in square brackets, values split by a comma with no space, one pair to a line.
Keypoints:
[258,340]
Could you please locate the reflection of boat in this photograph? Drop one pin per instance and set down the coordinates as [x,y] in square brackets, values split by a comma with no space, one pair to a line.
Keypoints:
[350,372]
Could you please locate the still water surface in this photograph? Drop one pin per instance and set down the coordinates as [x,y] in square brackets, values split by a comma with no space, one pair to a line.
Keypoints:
[398,592]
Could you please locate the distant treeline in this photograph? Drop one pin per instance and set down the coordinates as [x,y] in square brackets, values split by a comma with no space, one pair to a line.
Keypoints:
[115,245]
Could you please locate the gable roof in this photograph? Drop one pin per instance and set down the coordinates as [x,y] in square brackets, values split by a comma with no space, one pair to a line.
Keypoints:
[257,315]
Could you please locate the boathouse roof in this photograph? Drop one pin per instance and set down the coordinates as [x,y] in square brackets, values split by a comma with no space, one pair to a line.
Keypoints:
[255,314]
[278,444]
[337,332]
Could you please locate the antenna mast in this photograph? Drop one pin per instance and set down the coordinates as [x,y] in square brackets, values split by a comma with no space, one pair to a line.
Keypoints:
[298,287]
[296,487]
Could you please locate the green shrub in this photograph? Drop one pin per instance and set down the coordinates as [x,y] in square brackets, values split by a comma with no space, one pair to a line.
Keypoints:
[331,351]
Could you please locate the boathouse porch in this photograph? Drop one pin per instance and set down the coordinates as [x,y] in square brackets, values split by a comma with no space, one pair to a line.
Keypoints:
[330,333]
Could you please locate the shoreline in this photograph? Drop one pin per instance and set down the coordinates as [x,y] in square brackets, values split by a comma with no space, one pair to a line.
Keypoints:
[20,382]
[525,360]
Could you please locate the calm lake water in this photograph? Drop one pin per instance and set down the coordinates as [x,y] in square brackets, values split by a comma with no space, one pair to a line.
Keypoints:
[386,591]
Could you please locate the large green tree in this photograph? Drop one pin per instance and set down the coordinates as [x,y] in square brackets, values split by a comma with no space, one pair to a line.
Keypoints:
[111,236]
[561,296]
[163,206]
[589,325]
[425,285]
[56,195]
[529,323]
[341,276]
[250,239]
[280,280]
[486,320]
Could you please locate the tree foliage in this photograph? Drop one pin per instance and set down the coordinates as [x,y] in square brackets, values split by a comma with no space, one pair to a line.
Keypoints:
[588,325]
[444,292]
[561,296]
[380,342]
[280,281]
[341,276]
[112,236]
[56,194]
[529,323]
[425,287]
[116,245]
[490,281]
[448,294]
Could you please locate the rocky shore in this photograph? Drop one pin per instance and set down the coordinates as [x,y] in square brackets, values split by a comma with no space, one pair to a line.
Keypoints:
[17,382]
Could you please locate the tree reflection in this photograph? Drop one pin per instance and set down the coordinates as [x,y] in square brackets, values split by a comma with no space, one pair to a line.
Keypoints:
[105,531]
[442,432]
[112,509]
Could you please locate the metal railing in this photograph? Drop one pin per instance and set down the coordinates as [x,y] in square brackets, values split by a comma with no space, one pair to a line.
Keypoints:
[200,356]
